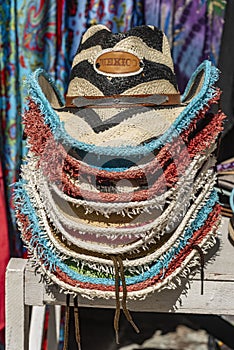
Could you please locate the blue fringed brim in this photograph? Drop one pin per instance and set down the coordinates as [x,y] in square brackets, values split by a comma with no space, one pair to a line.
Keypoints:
[198,102]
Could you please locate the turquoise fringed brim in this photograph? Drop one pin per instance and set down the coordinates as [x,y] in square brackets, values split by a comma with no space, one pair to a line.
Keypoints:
[206,93]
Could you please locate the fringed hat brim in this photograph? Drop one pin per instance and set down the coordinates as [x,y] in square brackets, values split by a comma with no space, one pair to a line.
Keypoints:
[199,91]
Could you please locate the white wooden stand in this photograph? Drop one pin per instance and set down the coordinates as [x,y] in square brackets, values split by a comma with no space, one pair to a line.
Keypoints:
[24,289]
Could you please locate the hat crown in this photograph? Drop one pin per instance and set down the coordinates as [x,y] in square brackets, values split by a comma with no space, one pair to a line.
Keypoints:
[132,63]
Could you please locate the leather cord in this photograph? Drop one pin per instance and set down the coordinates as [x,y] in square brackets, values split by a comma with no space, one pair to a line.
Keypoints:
[77,324]
[66,326]
[119,275]
[67,321]
[202,264]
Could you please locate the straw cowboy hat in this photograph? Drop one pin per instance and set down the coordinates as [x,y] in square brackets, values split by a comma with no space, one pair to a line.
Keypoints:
[111,100]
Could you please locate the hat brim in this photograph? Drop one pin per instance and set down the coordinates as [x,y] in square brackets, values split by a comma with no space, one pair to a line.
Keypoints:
[163,182]
[197,94]
[60,269]
[56,173]
[75,228]
[43,143]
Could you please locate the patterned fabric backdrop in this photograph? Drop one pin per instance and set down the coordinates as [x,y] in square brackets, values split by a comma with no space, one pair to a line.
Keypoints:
[46,33]
[194,29]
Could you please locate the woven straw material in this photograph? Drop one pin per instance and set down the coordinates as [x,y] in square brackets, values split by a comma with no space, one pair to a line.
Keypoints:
[78,229]
[115,196]
[140,290]
[138,274]
[131,209]
[231,228]
[198,93]
[44,146]
[130,132]
[74,187]
[147,43]
[170,280]
[134,208]
[79,219]
[126,191]
[136,282]
[197,169]
[148,209]
[40,204]
[178,221]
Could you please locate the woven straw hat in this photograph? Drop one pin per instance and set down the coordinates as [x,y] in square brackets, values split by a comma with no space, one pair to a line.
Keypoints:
[109,113]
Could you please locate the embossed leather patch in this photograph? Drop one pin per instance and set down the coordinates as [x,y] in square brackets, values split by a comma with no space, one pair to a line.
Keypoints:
[117,62]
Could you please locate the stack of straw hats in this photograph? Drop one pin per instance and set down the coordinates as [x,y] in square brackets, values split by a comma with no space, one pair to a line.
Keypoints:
[116,197]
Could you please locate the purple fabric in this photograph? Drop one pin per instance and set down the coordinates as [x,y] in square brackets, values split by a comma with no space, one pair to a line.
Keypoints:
[194,29]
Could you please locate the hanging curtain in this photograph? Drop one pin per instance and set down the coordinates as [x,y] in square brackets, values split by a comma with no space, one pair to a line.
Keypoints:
[29,40]
[194,28]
